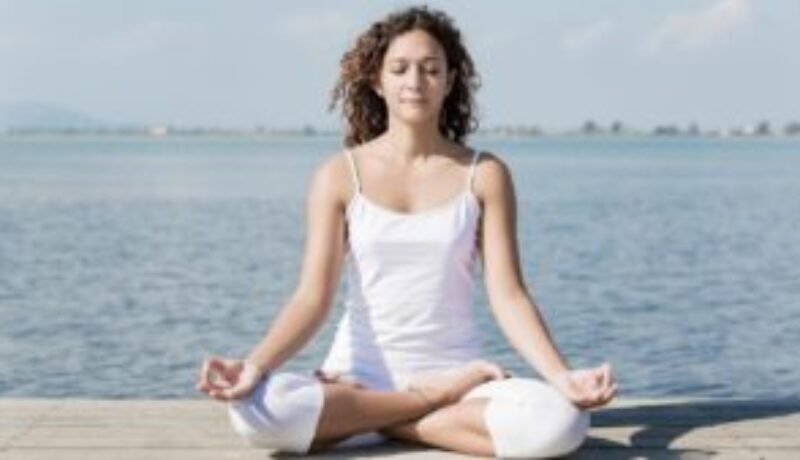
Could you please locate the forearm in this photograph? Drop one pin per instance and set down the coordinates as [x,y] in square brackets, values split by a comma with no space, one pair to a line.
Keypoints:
[294,327]
[523,325]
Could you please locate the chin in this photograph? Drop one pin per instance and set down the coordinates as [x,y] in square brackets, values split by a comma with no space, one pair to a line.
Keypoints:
[416,117]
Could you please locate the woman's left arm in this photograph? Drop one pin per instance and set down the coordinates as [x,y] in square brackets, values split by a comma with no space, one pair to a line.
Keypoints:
[512,305]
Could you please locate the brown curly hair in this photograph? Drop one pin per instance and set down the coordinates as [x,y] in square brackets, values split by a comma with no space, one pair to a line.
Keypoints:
[366,113]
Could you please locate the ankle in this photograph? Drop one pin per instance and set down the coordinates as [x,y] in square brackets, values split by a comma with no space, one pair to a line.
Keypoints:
[431,402]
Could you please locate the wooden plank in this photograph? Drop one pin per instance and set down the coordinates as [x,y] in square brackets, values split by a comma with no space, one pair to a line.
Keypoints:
[199,429]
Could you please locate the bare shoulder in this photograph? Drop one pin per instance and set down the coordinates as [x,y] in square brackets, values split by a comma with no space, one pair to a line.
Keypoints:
[332,179]
[492,176]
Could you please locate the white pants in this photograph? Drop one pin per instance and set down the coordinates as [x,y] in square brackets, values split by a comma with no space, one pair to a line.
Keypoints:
[525,417]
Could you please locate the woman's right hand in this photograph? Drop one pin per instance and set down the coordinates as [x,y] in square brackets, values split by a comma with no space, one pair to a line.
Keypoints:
[228,379]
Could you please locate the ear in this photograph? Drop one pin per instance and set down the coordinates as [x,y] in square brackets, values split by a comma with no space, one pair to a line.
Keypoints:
[376,86]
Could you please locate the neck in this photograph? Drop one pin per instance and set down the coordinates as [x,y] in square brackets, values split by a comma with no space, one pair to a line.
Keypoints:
[410,144]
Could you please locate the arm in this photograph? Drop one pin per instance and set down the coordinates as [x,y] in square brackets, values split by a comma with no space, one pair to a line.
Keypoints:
[230,379]
[512,305]
[308,307]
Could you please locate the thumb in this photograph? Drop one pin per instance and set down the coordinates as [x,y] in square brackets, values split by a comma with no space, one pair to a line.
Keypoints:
[497,372]
[238,391]
[241,389]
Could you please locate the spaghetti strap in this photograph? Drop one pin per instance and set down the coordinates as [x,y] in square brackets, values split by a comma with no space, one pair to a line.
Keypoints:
[472,166]
[353,169]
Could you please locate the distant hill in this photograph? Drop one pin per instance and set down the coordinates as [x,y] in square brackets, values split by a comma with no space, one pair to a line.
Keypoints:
[37,116]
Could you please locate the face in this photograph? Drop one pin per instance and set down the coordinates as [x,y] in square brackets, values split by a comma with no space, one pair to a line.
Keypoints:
[414,78]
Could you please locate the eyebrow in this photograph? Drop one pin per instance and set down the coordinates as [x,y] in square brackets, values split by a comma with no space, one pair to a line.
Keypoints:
[426,58]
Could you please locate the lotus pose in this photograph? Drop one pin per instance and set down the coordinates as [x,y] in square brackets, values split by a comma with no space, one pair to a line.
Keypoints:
[407,210]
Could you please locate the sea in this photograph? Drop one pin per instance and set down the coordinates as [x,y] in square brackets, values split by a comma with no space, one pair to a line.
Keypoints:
[124,261]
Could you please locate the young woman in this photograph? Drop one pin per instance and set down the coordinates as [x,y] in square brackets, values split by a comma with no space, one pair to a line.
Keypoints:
[408,209]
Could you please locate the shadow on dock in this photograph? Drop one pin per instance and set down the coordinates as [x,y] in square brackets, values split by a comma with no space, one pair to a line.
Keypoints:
[659,430]
[694,429]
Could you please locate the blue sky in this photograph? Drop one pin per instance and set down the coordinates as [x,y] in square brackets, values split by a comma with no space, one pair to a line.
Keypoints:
[551,63]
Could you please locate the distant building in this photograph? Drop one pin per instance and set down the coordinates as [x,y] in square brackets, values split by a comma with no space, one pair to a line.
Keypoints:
[158,130]
[762,129]
[666,130]
[792,129]
[590,128]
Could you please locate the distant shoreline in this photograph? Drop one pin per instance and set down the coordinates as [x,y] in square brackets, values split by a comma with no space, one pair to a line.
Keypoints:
[486,134]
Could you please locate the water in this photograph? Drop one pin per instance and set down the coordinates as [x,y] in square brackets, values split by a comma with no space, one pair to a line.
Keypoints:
[123,262]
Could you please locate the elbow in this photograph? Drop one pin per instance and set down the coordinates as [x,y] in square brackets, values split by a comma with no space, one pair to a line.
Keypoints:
[318,304]
[509,295]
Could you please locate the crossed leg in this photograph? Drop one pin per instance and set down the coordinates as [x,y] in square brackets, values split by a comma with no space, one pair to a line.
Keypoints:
[545,425]
[435,416]
[460,427]
[454,412]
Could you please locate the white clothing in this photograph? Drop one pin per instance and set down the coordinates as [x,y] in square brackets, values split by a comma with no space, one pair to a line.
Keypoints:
[410,282]
[526,418]
[410,279]
[282,412]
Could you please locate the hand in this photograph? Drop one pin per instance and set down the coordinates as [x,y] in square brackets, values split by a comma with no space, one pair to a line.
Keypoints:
[441,388]
[228,379]
[587,388]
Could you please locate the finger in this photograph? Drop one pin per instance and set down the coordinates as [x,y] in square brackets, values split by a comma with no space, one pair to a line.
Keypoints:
[610,393]
[587,381]
[221,395]
[218,367]
[599,377]
[604,375]
[205,373]
[231,369]
[612,374]
[237,392]
[201,378]
[583,397]
[226,372]
[603,397]
[587,403]
[498,373]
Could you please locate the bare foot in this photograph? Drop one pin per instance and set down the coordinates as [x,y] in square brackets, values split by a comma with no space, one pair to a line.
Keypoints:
[337,378]
[448,387]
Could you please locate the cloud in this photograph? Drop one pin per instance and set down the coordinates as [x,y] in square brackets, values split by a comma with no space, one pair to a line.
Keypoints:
[699,29]
[587,37]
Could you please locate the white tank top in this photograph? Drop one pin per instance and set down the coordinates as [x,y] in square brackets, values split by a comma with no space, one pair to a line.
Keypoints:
[410,280]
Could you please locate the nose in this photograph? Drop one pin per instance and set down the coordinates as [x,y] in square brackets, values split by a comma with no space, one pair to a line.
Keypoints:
[415,79]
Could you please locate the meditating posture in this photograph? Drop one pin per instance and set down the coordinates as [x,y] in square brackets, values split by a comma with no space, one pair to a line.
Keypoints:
[408,210]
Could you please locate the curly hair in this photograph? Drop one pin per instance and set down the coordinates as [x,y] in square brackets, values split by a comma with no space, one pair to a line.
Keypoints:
[366,112]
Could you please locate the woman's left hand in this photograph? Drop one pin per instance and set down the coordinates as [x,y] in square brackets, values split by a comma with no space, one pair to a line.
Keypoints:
[587,388]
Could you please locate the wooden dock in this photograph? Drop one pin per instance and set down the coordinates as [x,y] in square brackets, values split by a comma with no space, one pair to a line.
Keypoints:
[198,429]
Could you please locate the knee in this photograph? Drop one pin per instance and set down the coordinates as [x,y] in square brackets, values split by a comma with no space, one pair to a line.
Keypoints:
[281,412]
[542,428]
[559,434]
[568,433]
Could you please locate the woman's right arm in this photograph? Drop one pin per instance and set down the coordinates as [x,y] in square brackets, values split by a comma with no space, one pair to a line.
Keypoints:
[307,308]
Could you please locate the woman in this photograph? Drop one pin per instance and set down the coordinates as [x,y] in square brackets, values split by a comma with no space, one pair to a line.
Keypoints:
[408,209]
